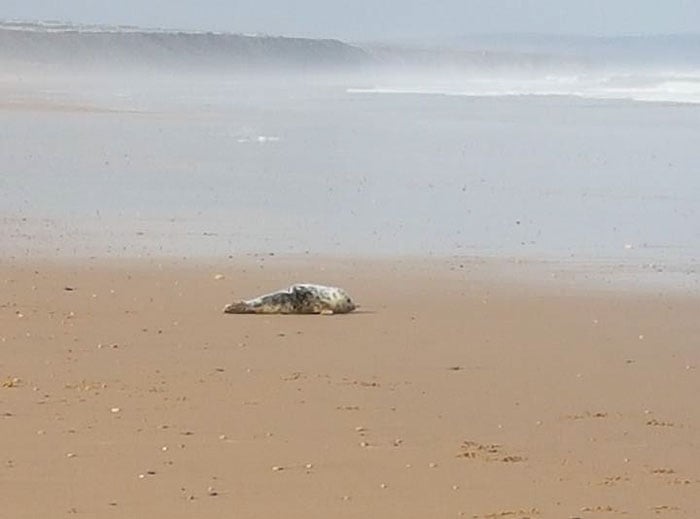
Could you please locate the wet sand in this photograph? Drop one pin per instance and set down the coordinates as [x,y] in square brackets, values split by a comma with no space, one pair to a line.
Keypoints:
[127,393]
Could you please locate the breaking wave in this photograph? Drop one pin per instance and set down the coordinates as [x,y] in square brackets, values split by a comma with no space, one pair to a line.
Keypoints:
[657,87]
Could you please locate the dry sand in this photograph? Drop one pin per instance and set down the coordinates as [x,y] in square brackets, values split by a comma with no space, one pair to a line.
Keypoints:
[127,393]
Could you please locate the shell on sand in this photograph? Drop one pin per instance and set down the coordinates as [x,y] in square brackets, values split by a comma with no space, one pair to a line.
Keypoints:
[297,299]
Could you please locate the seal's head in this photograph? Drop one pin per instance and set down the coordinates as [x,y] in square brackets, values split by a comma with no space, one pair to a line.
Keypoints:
[340,301]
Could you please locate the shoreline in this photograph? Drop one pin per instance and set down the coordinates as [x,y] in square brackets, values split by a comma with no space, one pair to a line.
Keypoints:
[546,274]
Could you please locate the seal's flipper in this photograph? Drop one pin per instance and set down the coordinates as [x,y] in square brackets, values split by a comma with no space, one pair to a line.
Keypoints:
[238,307]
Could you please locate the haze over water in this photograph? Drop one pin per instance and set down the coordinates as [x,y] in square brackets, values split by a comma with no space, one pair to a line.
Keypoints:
[494,153]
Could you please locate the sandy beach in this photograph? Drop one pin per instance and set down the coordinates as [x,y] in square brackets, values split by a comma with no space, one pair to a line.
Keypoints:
[127,393]
[518,226]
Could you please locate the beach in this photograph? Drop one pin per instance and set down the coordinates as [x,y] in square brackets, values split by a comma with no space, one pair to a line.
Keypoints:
[519,230]
[126,392]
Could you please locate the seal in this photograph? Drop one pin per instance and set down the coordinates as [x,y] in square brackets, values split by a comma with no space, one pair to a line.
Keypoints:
[297,299]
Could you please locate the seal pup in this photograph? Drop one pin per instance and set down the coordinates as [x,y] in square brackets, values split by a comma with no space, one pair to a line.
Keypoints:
[297,299]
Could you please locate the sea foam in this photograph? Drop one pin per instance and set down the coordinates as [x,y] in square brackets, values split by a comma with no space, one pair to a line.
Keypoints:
[664,87]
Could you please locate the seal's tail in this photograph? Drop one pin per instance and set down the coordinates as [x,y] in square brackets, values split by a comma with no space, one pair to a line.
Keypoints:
[238,307]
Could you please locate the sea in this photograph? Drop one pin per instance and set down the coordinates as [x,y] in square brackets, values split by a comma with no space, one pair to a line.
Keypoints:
[523,158]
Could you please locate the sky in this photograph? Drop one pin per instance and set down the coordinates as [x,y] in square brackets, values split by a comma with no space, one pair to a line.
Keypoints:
[376,19]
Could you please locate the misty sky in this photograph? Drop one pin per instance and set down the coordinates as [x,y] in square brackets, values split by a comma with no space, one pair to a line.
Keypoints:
[376,19]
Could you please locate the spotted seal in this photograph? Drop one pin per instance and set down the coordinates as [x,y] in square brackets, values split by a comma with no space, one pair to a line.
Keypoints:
[297,299]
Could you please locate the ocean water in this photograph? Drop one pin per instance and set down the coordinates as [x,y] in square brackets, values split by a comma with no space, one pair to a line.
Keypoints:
[215,166]
[586,168]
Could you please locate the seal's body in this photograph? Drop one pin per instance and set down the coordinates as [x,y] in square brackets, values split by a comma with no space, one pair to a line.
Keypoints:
[297,299]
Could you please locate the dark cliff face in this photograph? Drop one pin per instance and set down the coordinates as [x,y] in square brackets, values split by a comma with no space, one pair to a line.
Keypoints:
[95,47]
